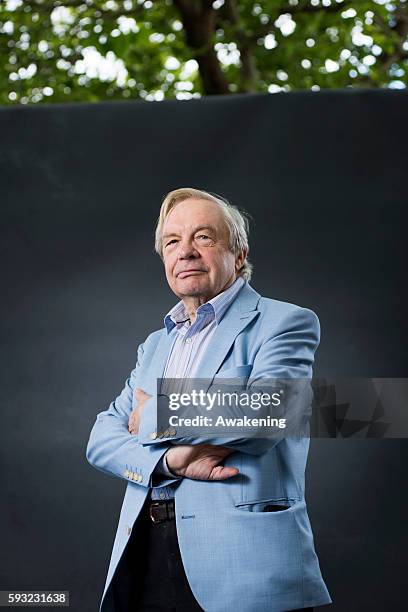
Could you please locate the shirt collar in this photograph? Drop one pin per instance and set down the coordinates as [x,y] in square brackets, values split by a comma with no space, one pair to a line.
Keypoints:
[218,305]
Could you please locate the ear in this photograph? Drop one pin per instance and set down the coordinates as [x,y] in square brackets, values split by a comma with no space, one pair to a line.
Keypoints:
[240,259]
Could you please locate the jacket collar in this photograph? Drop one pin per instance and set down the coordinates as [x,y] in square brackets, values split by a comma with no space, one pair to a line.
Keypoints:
[239,314]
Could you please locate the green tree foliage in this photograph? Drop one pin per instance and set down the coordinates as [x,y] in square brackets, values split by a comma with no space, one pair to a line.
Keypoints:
[91,50]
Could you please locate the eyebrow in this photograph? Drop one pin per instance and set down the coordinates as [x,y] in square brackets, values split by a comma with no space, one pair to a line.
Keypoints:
[197,229]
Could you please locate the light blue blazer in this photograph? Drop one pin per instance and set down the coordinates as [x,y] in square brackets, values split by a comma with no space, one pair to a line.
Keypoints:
[235,556]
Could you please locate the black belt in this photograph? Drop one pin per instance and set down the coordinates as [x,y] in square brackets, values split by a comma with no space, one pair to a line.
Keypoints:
[159,511]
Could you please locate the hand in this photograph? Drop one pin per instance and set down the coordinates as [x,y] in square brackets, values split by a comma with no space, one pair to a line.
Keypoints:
[200,461]
[134,417]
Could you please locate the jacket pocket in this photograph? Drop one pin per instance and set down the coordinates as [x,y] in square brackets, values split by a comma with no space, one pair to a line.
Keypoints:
[267,505]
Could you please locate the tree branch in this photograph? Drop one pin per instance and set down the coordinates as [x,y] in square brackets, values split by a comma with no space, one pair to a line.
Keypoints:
[198,19]
[399,29]
[249,75]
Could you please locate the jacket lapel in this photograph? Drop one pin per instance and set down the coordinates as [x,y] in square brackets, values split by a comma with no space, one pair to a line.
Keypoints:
[239,314]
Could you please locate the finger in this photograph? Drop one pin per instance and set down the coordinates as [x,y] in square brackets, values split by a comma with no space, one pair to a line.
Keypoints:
[221,451]
[221,472]
[132,427]
[142,394]
[131,422]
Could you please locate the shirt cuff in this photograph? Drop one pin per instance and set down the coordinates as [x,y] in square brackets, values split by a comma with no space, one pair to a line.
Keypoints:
[163,469]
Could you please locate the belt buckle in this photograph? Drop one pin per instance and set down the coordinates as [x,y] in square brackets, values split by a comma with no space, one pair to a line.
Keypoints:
[153,518]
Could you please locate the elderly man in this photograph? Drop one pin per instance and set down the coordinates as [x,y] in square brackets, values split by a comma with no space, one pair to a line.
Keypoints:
[219,523]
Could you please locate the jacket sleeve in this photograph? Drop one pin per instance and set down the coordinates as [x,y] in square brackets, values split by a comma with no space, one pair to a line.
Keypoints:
[287,354]
[114,450]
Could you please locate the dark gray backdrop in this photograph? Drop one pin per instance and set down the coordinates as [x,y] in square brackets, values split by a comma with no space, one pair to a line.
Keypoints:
[324,177]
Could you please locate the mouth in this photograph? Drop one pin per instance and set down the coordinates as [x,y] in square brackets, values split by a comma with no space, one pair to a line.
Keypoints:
[189,273]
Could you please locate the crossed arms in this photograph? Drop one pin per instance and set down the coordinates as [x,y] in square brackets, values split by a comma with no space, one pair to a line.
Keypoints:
[289,353]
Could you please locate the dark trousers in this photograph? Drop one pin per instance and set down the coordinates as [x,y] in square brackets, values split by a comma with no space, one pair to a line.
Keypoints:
[150,576]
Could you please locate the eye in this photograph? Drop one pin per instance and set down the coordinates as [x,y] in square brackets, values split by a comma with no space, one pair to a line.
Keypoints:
[204,236]
[170,241]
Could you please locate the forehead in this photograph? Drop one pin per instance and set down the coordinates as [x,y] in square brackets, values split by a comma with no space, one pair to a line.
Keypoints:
[194,212]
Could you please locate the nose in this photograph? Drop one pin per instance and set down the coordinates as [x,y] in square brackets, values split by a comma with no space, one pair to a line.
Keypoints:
[187,250]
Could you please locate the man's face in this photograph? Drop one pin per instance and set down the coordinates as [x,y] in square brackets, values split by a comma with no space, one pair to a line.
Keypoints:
[196,254]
